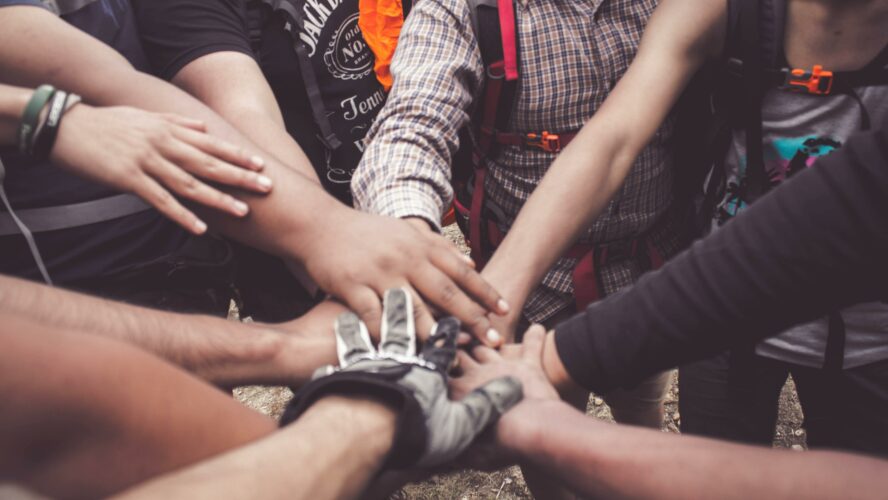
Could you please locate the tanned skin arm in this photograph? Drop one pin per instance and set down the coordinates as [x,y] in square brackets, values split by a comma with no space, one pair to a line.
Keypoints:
[223,352]
[610,461]
[600,460]
[232,84]
[680,36]
[103,77]
[85,416]
[353,256]
[332,451]
[12,104]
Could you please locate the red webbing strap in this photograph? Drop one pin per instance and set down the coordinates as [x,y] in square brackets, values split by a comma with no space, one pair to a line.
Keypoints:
[492,91]
[507,30]
[656,257]
[476,238]
[587,287]
[585,279]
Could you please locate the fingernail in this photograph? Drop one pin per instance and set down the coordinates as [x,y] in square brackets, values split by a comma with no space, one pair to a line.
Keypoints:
[503,306]
[264,182]
[257,161]
[240,207]
[493,336]
[200,226]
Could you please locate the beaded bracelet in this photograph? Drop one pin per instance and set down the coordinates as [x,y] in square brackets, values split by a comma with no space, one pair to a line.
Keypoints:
[31,116]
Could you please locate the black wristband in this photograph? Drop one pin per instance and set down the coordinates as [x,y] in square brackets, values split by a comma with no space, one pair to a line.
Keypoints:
[410,434]
[47,134]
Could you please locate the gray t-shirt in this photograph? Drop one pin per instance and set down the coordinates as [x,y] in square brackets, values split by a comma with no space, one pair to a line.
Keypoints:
[799,128]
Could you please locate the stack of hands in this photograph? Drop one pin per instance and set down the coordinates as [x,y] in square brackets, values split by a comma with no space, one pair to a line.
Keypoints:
[439,416]
[180,169]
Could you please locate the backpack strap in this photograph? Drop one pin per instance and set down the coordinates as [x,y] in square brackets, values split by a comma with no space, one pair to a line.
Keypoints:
[494,24]
[257,17]
[761,38]
[64,7]
[296,22]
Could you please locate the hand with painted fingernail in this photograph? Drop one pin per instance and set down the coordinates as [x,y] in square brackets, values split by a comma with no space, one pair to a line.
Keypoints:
[432,428]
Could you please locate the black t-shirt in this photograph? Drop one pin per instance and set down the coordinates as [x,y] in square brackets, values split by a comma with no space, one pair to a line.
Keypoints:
[815,244]
[102,249]
[176,32]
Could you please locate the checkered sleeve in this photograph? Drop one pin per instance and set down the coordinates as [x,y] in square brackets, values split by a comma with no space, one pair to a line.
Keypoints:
[437,70]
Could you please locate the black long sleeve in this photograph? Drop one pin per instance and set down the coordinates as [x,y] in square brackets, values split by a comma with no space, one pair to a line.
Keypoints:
[816,243]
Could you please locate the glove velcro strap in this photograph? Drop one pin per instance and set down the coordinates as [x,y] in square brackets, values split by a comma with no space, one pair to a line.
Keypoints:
[410,432]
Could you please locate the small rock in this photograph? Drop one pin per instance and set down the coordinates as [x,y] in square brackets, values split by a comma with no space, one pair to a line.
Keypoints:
[598,401]
[798,447]
[799,432]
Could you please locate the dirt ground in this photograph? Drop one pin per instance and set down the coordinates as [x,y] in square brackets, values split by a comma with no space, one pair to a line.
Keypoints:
[508,484]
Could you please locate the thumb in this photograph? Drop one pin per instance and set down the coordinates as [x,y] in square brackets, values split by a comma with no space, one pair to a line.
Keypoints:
[457,427]
[492,400]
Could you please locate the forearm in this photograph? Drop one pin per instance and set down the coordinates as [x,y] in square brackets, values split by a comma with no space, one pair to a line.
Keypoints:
[282,223]
[220,351]
[12,104]
[813,245]
[332,451]
[406,169]
[610,461]
[584,177]
[232,84]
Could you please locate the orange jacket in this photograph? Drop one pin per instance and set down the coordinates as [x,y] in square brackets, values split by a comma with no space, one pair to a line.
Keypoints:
[380,22]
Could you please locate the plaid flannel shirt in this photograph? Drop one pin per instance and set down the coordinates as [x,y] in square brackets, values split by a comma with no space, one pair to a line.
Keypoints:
[571,54]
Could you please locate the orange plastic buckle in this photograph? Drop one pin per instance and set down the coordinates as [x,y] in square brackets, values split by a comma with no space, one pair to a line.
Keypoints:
[550,143]
[817,81]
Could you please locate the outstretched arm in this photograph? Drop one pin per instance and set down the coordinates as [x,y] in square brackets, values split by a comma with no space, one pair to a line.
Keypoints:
[223,352]
[148,154]
[602,460]
[813,245]
[353,256]
[680,36]
[204,48]
[332,451]
[85,416]
[232,84]
[338,442]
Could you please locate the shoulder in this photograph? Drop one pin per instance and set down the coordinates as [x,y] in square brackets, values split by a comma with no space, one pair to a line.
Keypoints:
[455,12]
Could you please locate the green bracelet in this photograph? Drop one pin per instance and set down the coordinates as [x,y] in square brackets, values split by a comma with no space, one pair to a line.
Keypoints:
[31,116]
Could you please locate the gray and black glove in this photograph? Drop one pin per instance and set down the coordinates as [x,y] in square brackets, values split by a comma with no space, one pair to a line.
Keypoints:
[431,429]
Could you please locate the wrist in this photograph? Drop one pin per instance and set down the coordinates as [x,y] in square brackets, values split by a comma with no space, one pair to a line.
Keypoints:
[74,116]
[11,112]
[522,430]
[232,353]
[306,239]
[368,420]
[515,287]
[557,373]
[420,223]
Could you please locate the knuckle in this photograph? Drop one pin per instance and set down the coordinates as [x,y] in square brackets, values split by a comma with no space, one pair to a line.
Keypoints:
[370,313]
[145,157]
[189,183]
[208,163]
[164,197]
[448,293]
